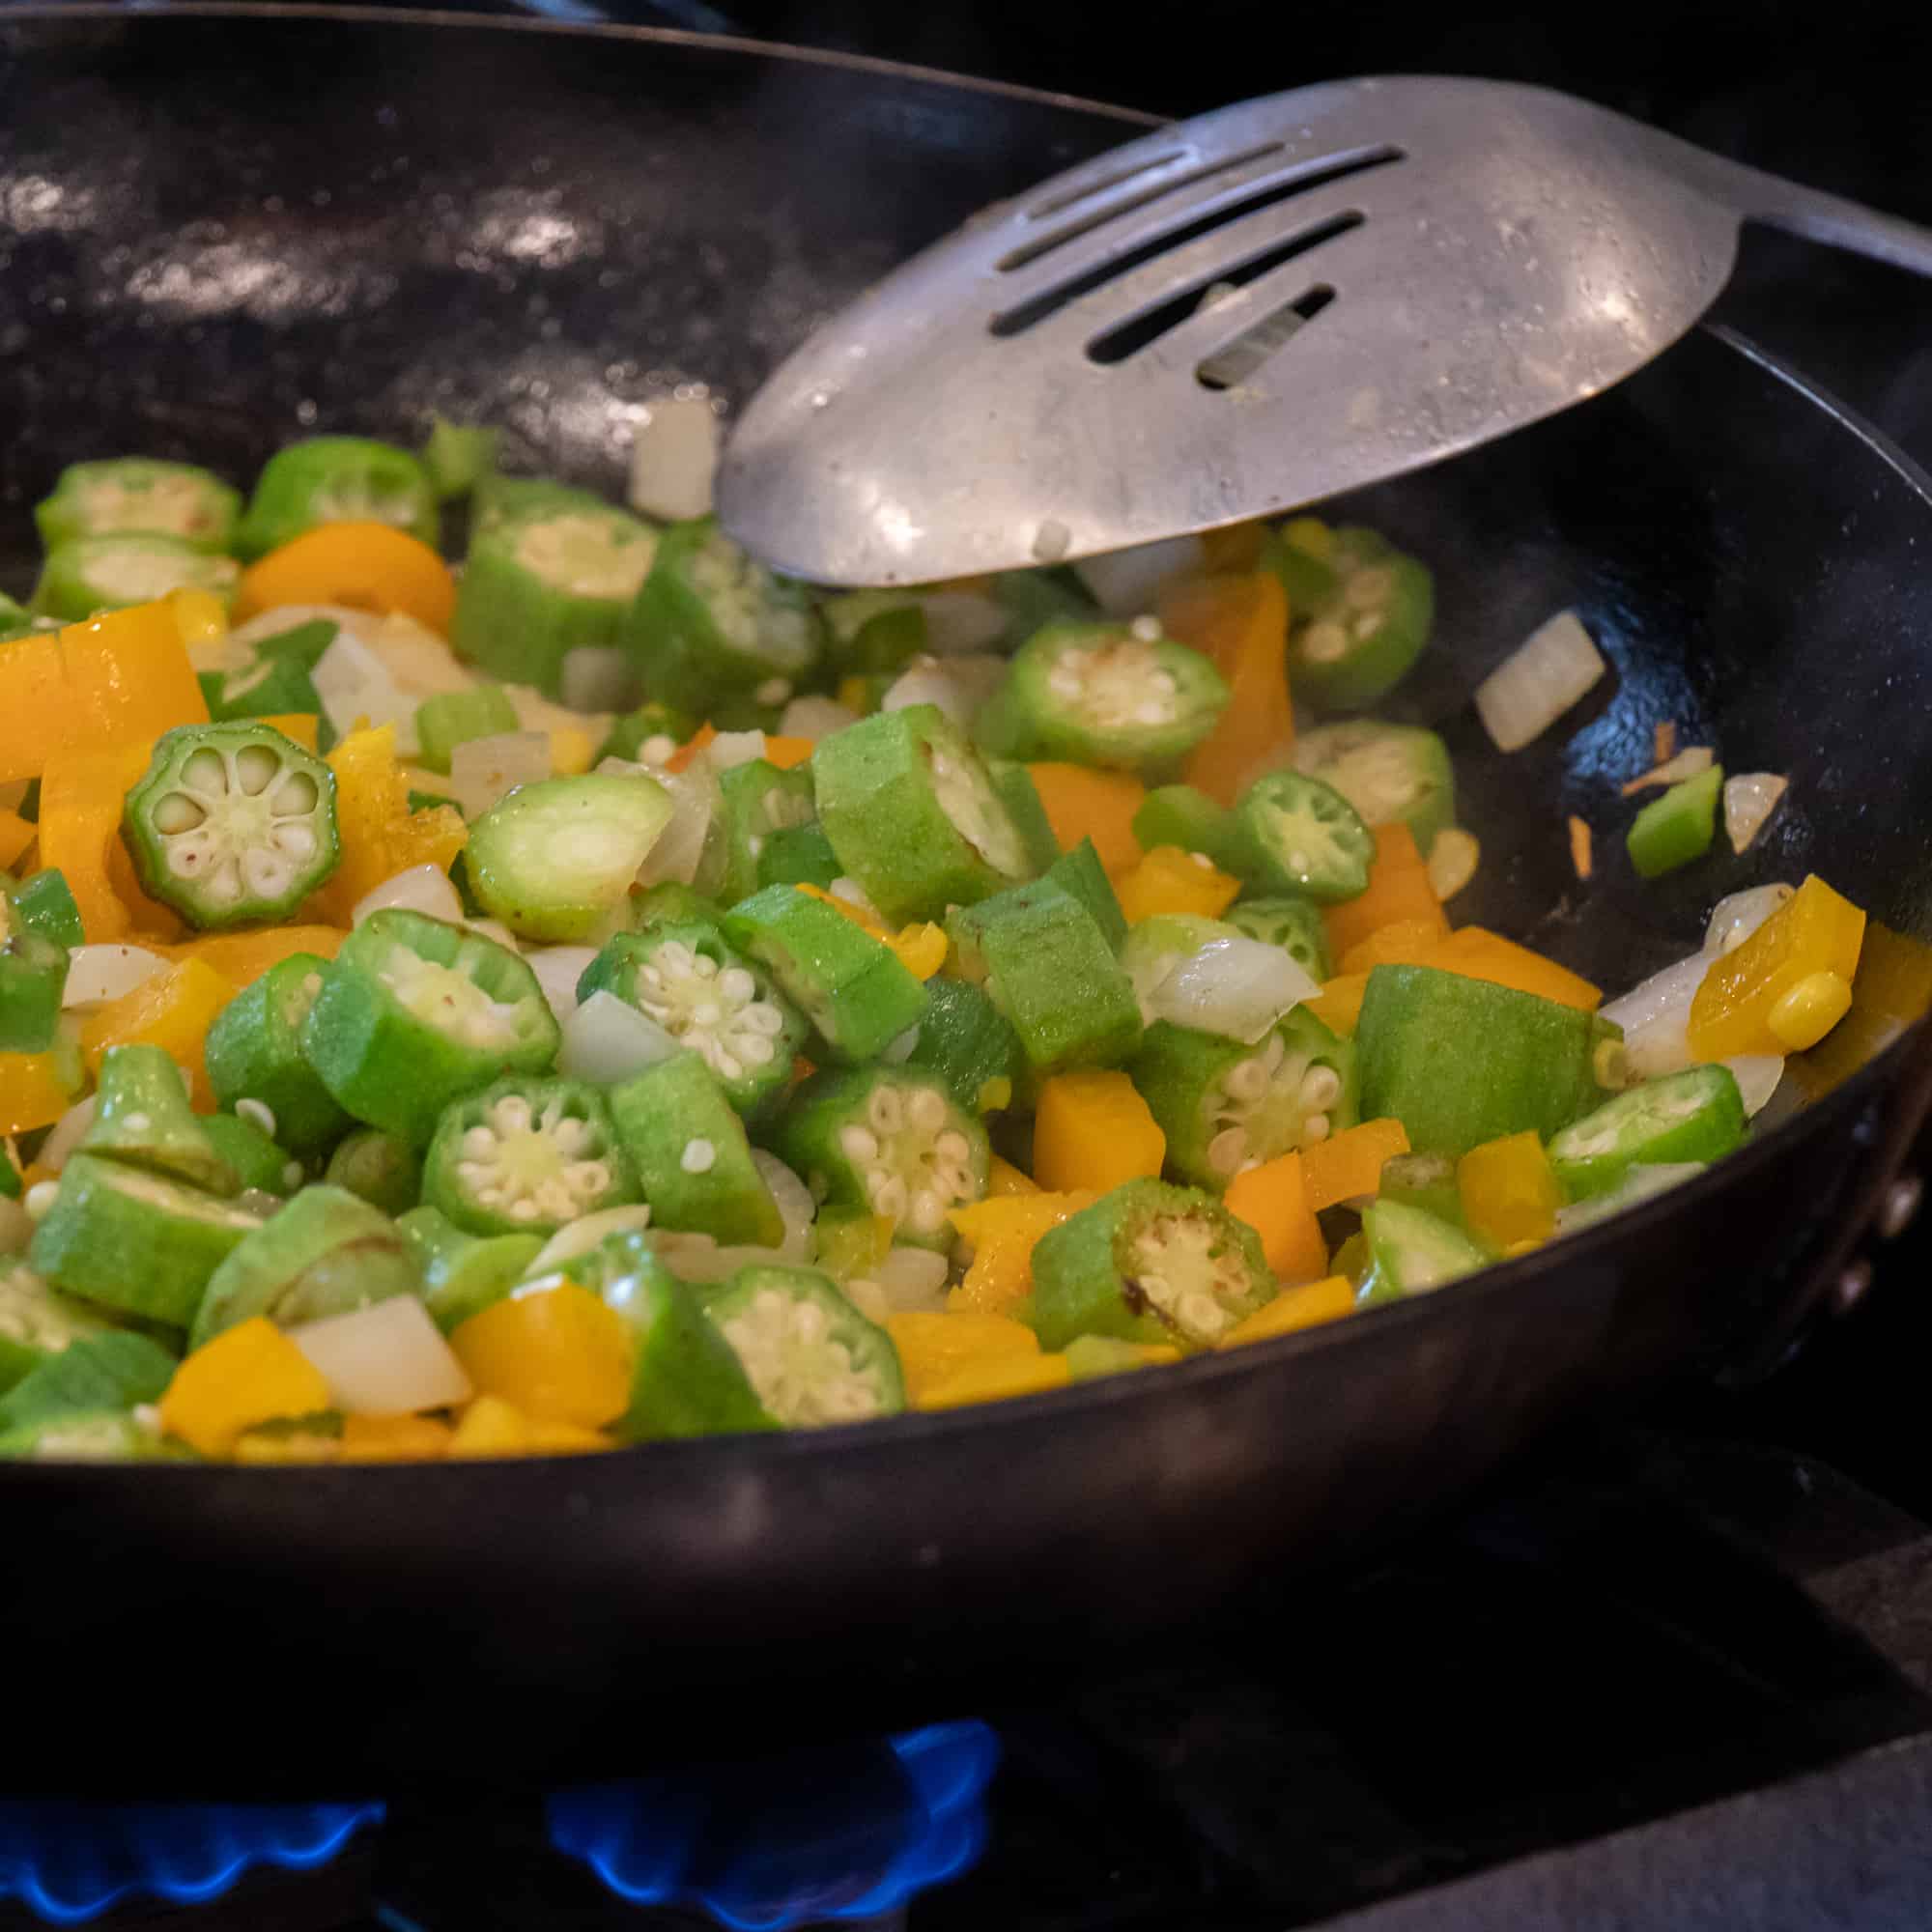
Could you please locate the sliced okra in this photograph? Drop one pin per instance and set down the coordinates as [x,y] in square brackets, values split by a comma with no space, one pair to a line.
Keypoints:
[500,499]
[890,1139]
[464,1274]
[232,824]
[259,1164]
[1294,834]
[377,1167]
[33,977]
[92,1436]
[1036,598]
[253,1052]
[325,1253]
[542,582]
[649,734]
[759,800]
[1696,1115]
[45,904]
[1289,921]
[670,903]
[447,719]
[109,1370]
[873,633]
[1389,773]
[37,1322]
[117,494]
[1361,611]
[1081,874]
[692,1159]
[337,479]
[811,1357]
[109,573]
[1148,1263]
[1410,1251]
[1424,1180]
[1185,818]
[966,1041]
[415,1011]
[799,855]
[1226,1107]
[1020,796]
[141,1116]
[134,1242]
[854,992]
[914,814]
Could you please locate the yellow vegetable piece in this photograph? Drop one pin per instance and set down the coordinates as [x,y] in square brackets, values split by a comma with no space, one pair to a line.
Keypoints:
[1272,1199]
[1338,1003]
[996,1380]
[490,1426]
[566,1439]
[201,618]
[244,956]
[303,726]
[82,793]
[250,1373]
[920,948]
[284,1448]
[1093,1131]
[1002,1178]
[1234,546]
[933,1347]
[34,1089]
[394,1438]
[1478,954]
[380,834]
[1406,942]
[1305,1307]
[1815,930]
[1002,1230]
[1348,1165]
[1171,880]
[174,1012]
[572,750]
[365,566]
[554,1351]
[1241,624]
[787,753]
[1810,1010]
[1080,803]
[1509,1191]
[1398,891]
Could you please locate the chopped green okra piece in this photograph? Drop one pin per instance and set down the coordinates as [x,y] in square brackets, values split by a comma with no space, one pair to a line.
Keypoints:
[268,688]
[971,1045]
[37,1322]
[556,861]
[526,1155]
[134,1242]
[914,814]
[759,800]
[1361,611]
[109,573]
[1677,828]
[253,1052]
[141,1116]
[712,625]
[415,1012]
[1021,797]
[1410,1251]
[1460,1062]
[648,735]
[449,719]
[1147,1263]
[852,1242]
[668,903]
[811,1357]
[306,643]
[377,1168]
[1424,1180]
[259,1164]
[1389,773]
[107,1370]
[1696,1115]
[1293,834]
[542,582]
[853,991]
[1106,694]
[1089,1357]
[33,977]
[92,1436]
[1081,874]
[1036,598]
[707,998]
[232,824]
[45,904]
[889,1139]
[1226,1107]
[1179,815]
[337,479]
[692,1158]
[1046,963]
[799,855]
[137,493]
[1292,924]
[873,632]
[325,1253]
[458,456]
[464,1274]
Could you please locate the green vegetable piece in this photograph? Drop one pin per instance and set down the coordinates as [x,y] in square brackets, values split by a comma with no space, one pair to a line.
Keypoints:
[1298,554]
[1677,828]
[337,479]
[134,1242]
[1410,1251]
[37,1324]
[759,800]
[1021,797]
[141,1116]
[464,1274]
[415,1012]
[1179,815]
[253,1052]
[269,686]
[1292,924]
[546,581]
[108,1369]
[799,855]
[851,1242]
[555,861]
[1147,1263]
[377,1168]
[872,633]
[914,814]
[232,824]
[853,991]
[890,1139]
[109,573]
[648,735]
[1036,598]
[457,457]
[325,1253]
[1424,1180]
[1389,773]
[452,717]
[45,905]
[33,977]
[306,643]
[1361,617]
[257,1161]
[1103,695]
[1226,1107]
[1696,1115]
[17,621]
[500,499]
[9,1174]
[1293,834]
[526,1155]
[1460,1062]
[712,624]
[670,903]
[1088,1357]
[95,1435]
[1081,874]
[811,1357]
[1046,963]
[125,494]
[691,1155]
[971,1045]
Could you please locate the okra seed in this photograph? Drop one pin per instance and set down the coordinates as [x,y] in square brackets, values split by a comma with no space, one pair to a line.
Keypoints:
[707,1015]
[40,1199]
[886,1112]
[1147,629]
[1227,1150]
[951,1145]
[257,1111]
[888,1195]
[858,1144]
[756,1050]
[737,986]
[928,1212]
[525,1210]
[479,1143]
[1277,1051]
[1315,1128]
[764,1017]
[1320,1088]
[1325,642]
[705,966]
[1369,589]
[177,812]
[1248,1079]
[698,1157]
[926,1110]
[650,978]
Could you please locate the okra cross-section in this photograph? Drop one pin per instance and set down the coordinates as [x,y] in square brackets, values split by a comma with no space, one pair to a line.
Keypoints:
[1293,834]
[109,572]
[1148,1263]
[37,1322]
[1389,773]
[337,479]
[253,1052]
[760,801]
[138,493]
[141,1116]
[1362,609]
[232,824]
[33,977]
[890,1141]
[1292,924]
[1696,1115]
[413,1012]
[810,1355]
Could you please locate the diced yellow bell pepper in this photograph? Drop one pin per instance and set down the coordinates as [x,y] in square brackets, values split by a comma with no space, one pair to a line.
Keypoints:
[933,1347]
[1339,1002]
[1002,1178]
[1892,990]
[787,753]
[1399,892]
[363,566]
[1478,954]
[1348,1165]
[394,1438]
[1815,930]
[1809,1010]
[286,1448]
[1003,1231]
[1272,1199]
[36,1089]
[1169,880]
[380,834]
[1308,1306]
[303,726]
[174,1012]
[250,1373]
[490,1426]
[1509,1191]
[1408,942]
[82,793]
[242,957]
[556,1352]
[1234,546]
[996,1380]
[1241,624]
[572,750]
[1092,1130]
[1081,803]
[201,619]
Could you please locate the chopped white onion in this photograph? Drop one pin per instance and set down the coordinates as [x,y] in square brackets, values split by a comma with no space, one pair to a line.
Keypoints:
[868,1299]
[598,677]
[67,1134]
[1539,681]
[579,1236]
[1639,1185]
[962,621]
[912,1281]
[695,1257]
[1757,1077]
[1453,859]
[959,686]
[354,683]
[559,968]
[1655,1015]
[1739,915]
[815,717]
[386,1360]
[731,749]
[481,770]
[605,1041]
[1750,799]
[96,974]
[424,889]
[674,457]
[795,1205]
[1236,987]
[418,659]
[695,806]
[1123,581]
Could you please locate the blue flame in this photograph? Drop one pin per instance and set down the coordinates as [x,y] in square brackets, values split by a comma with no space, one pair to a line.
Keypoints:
[844,1833]
[68,1860]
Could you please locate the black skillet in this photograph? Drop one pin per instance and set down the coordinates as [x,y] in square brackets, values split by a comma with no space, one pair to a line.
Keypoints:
[219,230]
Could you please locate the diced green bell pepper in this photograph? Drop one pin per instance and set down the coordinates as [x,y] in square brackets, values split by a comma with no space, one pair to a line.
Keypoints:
[1677,828]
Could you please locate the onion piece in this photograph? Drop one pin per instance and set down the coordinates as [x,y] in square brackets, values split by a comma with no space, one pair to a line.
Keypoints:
[1453,859]
[96,974]
[354,683]
[959,685]
[697,805]
[605,1041]
[1639,1185]
[579,1236]
[1758,1076]
[424,889]
[1655,1017]
[1236,987]
[815,717]
[67,1135]
[1738,914]
[559,968]
[418,659]
[1123,581]
[674,457]
[1539,681]
[912,1281]
[598,677]
[795,1205]
[481,770]
[386,1360]
[1750,799]
[731,749]
[695,1257]
[958,622]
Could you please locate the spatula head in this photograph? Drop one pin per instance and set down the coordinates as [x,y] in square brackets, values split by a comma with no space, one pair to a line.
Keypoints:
[1239,314]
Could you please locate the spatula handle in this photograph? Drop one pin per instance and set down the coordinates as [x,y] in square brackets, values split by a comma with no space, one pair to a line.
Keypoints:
[1830,218]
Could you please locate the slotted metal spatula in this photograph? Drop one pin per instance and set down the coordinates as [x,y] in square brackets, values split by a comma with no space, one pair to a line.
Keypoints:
[1242,312]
